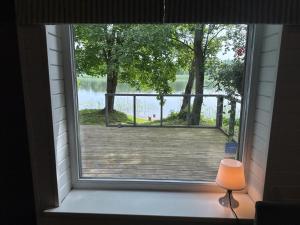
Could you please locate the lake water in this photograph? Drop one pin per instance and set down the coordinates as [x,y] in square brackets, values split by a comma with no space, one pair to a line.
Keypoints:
[91,95]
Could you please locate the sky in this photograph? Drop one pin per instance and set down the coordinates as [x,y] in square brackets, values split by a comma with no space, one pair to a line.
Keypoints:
[228,56]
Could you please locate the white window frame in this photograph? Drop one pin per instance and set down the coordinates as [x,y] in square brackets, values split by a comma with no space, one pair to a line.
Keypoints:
[143,184]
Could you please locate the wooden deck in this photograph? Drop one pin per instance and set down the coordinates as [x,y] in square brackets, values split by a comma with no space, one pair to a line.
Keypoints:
[151,153]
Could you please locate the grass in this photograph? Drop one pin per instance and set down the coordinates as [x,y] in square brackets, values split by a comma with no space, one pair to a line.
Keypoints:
[138,120]
[96,116]
[174,119]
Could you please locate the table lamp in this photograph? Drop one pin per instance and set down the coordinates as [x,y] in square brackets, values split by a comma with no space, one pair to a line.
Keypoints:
[232,178]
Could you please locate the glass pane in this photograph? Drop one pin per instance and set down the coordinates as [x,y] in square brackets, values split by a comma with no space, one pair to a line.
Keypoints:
[208,111]
[125,136]
[123,111]
[147,111]
[172,116]
[91,100]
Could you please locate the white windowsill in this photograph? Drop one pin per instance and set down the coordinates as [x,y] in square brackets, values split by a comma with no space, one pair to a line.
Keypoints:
[153,203]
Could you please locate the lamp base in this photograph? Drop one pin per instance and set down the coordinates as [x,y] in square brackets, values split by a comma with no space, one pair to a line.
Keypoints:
[224,201]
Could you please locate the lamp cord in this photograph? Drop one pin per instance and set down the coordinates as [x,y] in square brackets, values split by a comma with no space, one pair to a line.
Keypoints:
[235,215]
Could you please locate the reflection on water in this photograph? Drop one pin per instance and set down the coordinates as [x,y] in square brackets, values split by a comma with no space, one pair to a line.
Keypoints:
[99,85]
[91,95]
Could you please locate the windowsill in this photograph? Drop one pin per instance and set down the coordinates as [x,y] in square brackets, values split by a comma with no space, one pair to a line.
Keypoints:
[153,203]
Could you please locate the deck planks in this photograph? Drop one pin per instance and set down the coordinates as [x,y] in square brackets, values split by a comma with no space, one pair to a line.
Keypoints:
[151,153]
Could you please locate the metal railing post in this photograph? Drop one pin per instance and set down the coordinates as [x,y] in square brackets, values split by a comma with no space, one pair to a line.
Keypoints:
[189,110]
[219,115]
[161,109]
[232,118]
[106,110]
[134,110]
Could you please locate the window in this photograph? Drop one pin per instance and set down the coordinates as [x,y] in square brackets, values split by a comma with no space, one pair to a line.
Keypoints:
[153,107]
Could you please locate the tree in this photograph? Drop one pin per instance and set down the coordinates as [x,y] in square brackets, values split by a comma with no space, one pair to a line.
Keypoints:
[202,42]
[208,40]
[98,52]
[230,74]
[143,56]
[148,56]
[230,78]
[152,58]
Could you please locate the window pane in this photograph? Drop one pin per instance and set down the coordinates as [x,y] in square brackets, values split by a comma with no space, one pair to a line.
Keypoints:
[147,111]
[122,113]
[149,108]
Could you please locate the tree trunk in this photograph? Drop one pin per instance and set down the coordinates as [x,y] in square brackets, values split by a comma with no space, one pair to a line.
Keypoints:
[187,91]
[199,75]
[112,65]
[111,86]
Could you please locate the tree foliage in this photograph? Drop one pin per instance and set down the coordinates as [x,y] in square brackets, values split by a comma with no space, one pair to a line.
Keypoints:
[202,44]
[230,78]
[229,75]
[213,39]
[141,55]
[149,56]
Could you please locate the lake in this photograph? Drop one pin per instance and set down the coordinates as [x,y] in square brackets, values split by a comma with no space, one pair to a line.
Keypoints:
[91,95]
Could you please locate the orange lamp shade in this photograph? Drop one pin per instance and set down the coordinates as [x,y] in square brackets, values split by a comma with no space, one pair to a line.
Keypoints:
[231,175]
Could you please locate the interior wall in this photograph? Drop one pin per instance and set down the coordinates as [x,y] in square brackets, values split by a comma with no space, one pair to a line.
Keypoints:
[17,198]
[267,50]
[55,50]
[39,118]
[283,168]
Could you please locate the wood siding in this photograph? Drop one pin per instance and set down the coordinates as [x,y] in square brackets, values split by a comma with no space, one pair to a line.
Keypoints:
[283,168]
[269,38]
[58,104]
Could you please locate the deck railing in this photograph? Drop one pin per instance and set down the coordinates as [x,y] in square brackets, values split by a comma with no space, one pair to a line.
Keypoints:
[218,118]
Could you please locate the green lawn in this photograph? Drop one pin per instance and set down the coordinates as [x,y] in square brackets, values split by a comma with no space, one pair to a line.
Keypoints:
[96,116]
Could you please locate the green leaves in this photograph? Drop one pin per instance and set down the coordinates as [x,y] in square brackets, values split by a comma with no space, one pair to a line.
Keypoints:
[229,78]
[148,56]
[142,55]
